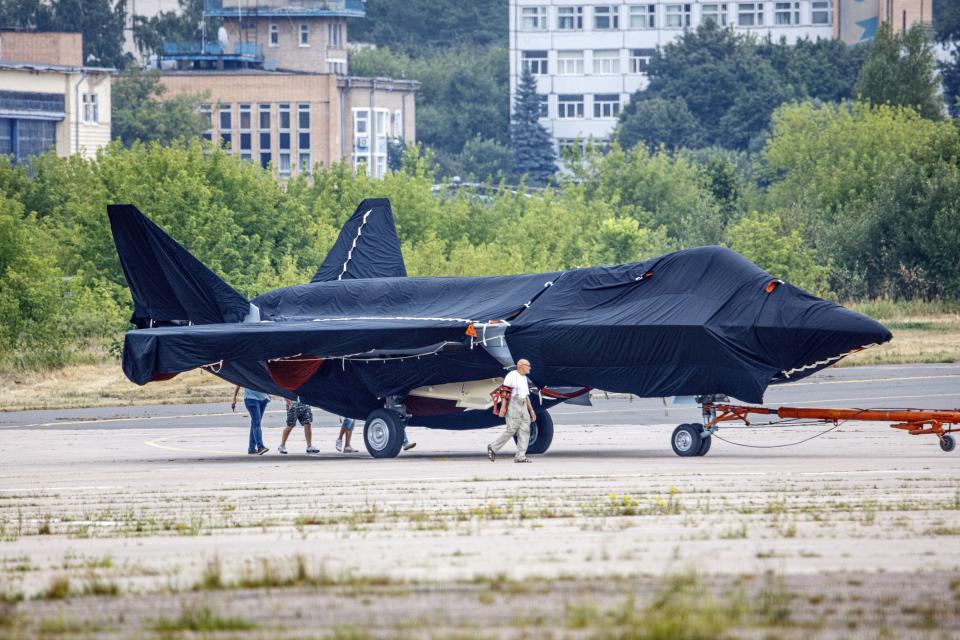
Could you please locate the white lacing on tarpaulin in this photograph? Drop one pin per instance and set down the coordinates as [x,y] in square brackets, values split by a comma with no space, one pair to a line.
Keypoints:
[354,245]
[826,361]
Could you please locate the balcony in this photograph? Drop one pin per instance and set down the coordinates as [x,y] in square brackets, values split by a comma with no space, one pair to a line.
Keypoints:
[285,8]
[239,52]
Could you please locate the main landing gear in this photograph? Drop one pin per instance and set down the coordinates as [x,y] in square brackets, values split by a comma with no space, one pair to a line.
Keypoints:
[541,434]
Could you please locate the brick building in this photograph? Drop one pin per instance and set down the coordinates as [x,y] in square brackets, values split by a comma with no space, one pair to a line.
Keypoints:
[49,99]
[279,88]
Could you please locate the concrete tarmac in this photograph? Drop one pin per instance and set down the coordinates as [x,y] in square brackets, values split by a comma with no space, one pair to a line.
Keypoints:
[164,491]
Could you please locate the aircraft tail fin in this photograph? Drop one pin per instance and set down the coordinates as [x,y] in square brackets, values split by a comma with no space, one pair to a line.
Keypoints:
[368,246]
[168,284]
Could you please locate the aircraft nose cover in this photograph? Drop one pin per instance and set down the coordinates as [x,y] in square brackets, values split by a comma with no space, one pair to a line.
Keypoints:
[699,321]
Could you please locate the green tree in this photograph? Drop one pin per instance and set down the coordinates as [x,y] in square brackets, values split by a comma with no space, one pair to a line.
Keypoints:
[140,113]
[532,147]
[780,251]
[171,26]
[946,17]
[822,69]
[452,25]
[901,70]
[728,88]
[482,159]
[658,121]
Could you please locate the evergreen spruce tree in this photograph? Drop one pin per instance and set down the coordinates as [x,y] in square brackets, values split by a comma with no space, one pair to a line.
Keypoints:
[532,148]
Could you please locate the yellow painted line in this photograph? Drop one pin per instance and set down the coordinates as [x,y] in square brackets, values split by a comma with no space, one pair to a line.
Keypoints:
[158,444]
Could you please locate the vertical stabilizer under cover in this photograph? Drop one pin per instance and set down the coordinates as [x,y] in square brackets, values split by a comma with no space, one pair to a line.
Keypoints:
[169,284]
[368,246]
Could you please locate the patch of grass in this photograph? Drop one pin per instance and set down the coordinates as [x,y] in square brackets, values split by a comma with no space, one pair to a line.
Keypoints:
[212,576]
[96,585]
[201,619]
[735,533]
[773,602]
[59,589]
[59,626]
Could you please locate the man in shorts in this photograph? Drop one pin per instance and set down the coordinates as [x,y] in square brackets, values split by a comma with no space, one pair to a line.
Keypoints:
[298,411]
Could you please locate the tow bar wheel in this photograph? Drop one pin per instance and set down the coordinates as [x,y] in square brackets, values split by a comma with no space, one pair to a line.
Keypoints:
[383,434]
[687,441]
[947,443]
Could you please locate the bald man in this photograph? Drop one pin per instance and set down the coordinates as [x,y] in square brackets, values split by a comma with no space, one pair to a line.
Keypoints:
[519,414]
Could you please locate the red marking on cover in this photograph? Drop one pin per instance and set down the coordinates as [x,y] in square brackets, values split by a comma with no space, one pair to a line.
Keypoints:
[290,375]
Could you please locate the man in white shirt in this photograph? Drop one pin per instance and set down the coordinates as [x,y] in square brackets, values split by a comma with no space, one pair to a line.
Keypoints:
[519,414]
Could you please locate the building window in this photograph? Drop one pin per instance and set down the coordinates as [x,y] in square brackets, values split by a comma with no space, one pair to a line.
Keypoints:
[606,106]
[569,63]
[640,59]
[246,137]
[334,33]
[715,12]
[264,117]
[265,159]
[676,16]
[569,18]
[533,19]
[305,166]
[361,140]
[606,17]
[536,62]
[383,116]
[24,139]
[303,126]
[226,127]
[606,62]
[544,106]
[274,35]
[283,138]
[246,117]
[304,35]
[207,114]
[750,14]
[569,107]
[786,13]
[821,12]
[91,109]
[643,16]
[398,124]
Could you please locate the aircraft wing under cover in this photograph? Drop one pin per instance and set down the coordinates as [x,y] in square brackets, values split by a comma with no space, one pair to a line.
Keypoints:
[151,354]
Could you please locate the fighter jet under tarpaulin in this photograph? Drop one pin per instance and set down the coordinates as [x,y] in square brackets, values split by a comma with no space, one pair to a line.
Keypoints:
[364,340]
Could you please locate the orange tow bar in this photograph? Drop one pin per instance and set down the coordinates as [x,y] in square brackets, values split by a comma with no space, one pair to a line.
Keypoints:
[916,422]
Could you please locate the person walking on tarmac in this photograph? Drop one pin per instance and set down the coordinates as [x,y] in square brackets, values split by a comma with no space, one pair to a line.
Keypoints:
[519,414]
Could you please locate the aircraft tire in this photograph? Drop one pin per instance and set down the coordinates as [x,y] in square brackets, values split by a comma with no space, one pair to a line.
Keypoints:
[686,440]
[544,430]
[947,443]
[704,442]
[383,434]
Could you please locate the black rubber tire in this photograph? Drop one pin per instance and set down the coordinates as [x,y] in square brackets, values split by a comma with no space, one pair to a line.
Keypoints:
[704,442]
[543,428]
[948,443]
[383,433]
[686,440]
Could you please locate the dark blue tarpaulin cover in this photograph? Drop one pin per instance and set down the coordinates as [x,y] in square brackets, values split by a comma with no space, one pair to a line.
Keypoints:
[166,281]
[368,246]
[699,321]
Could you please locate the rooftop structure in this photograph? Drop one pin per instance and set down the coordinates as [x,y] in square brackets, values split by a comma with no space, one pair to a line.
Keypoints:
[285,8]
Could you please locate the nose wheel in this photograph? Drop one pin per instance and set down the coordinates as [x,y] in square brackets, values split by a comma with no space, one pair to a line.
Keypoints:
[690,440]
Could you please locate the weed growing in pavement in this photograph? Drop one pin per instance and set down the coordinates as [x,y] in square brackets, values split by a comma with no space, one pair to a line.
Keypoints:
[212,576]
[201,619]
[59,626]
[58,590]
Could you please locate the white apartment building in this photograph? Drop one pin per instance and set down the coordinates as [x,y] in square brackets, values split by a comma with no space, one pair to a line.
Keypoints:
[590,56]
